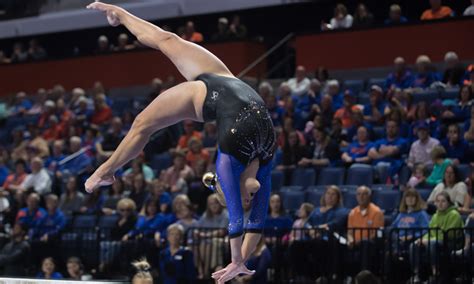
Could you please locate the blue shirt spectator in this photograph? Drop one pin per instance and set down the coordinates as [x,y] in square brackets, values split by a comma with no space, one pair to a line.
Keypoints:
[276,112]
[331,215]
[277,222]
[395,16]
[303,106]
[52,223]
[456,148]
[30,215]
[424,76]
[401,78]
[4,171]
[48,270]
[411,215]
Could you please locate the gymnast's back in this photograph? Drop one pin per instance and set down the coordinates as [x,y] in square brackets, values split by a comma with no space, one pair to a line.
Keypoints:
[245,129]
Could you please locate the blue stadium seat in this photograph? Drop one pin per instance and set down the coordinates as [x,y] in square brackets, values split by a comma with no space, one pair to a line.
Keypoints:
[425,96]
[360,174]
[277,180]
[348,187]
[464,171]
[303,177]
[387,200]
[424,193]
[363,98]
[84,222]
[356,86]
[375,81]
[292,188]
[106,222]
[379,132]
[292,199]
[350,200]
[161,162]
[329,176]
[382,187]
[321,188]
[450,94]
[314,197]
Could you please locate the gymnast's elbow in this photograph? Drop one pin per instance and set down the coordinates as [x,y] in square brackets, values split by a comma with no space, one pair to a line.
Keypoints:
[142,127]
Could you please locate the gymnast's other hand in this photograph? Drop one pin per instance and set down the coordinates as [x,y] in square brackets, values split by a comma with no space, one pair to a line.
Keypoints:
[230,272]
[97,180]
[111,11]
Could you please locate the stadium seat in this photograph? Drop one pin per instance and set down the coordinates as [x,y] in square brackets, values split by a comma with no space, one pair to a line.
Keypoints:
[356,86]
[348,187]
[321,188]
[277,180]
[329,176]
[450,94]
[303,177]
[292,188]
[161,162]
[424,193]
[387,200]
[314,197]
[106,222]
[360,174]
[464,171]
[350,200]
[375,81]
[292,199]
[382,187]
[84,222]
[425,96]
[363,98]
[379,132]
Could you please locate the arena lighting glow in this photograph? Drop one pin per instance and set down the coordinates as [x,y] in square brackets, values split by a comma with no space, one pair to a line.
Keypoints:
[34,281]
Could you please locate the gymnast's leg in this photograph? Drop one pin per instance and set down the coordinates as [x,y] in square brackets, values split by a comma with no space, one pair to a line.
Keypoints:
[183,101]
[191,59]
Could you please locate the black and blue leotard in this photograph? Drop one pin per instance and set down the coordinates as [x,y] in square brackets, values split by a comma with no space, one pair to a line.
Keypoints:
[244,132]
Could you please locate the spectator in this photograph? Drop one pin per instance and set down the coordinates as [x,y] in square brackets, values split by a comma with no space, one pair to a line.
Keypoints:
[346,112]
[299,85]
[456,148]
[103,45]
[401,78]
[19,54]
[466,101]
[52,162]
[75,269]
[446,217]
[48,270]
[176,262]
[21,104]
[14,180]
[387,153]
[39,178]
[368,216]
[260,261]
[468,249]
[143,275]
[424,76]
[338,133]
[293,152]
[395,15]
[412,215]
[455,187]
[15,254]
[278,223]
[4,172]
[196,153]
[36,51]
[102,112]
[331,215]
[323,152]
[139,190]
[82,112]
[111,248]
[237,29]
[223,32]
[148,224]
[358,151]
[455,70]
[156,89]
[138,167]
[418,176]
[3,58]
[277,113]
[327,110]
[209,139]
[214,222]
[303,213]
[336,95]
[114,195]
[32,213]
[469,10]
[469,127]
[440,163]
[122,43]
[93,203]
[362,17]
[421,149]
[185,218]
[71,200]
[341,20]
[54,130]
[37,145]
[366,277]
[40,98]
[111,139]
[374,110]
[49,109]
[189,132]
[79,163]
[177,175]
[47,228]
[437,11]
[191,34]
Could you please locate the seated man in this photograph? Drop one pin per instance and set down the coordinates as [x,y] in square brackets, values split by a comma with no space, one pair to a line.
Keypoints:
[15,254]
[420,151]
[78,162]
[189,133]
[363,222]
[387,153]
[32,213]
[39,179]
[358,151]
[50,225]
[177,175]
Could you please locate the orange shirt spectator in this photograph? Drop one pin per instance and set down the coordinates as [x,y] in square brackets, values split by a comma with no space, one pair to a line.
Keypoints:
[439,13]
[190,33]
[346,116]
[14,180]
[196,153]
[371,218]
[189,133]
[102,116]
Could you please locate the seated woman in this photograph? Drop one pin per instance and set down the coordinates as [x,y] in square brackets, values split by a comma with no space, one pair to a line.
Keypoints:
[48,270]
[114,195]
[71,200]
[456,148]
[323,152]
[445,218]
[293,152]
[469,127]
[304,212]
[210,239]
[455,187]
[358,151]
[278,223]
[93,203]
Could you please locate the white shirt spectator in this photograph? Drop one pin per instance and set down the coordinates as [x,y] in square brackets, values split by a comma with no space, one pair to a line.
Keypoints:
[299,88]
[40,181]
[421,152]
[457,192]
[469,10]
[343,23]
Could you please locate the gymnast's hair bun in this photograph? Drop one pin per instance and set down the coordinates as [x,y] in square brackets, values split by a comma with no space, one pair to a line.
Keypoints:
[141,265]
[209,180]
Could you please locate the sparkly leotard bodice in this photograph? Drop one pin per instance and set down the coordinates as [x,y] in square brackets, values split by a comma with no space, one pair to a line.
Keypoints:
[244,126]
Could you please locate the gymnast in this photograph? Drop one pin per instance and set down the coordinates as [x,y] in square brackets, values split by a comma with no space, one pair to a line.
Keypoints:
[246,137]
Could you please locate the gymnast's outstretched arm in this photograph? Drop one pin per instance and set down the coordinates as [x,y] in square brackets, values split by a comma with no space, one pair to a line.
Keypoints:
[191,59]
[183,101]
